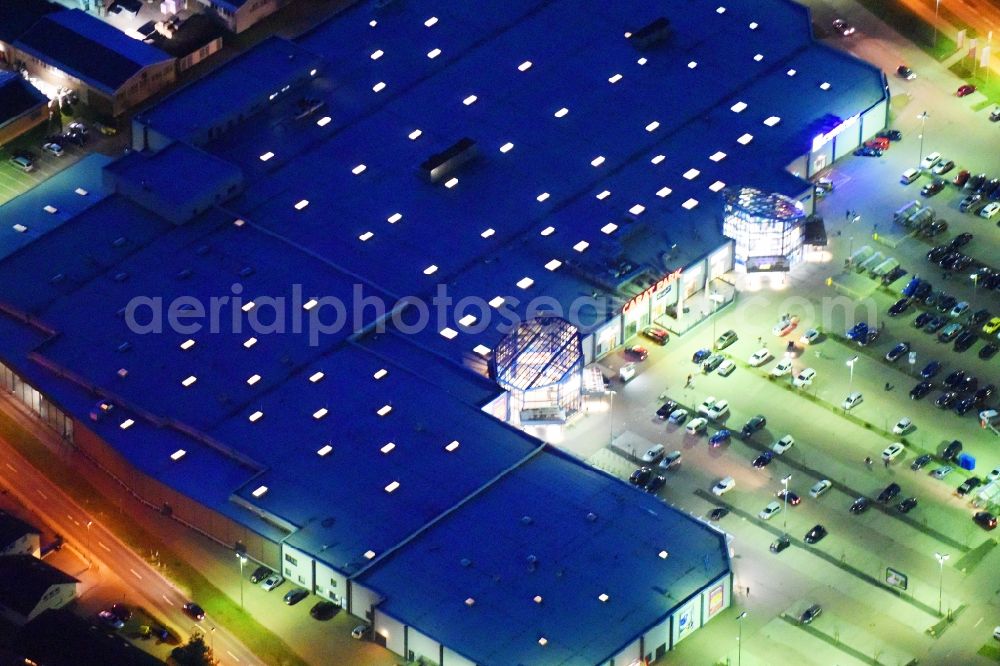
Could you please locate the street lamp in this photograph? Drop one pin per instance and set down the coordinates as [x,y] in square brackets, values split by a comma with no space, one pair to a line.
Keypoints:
[923,120]
[611,429]
[941,558]
[716,298]
[739,638]
[937,6]
[784,481]
[850,364]
[243,560]
[975,283]
[89,523]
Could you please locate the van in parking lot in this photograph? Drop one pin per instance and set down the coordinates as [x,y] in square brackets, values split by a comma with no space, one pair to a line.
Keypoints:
[909,176]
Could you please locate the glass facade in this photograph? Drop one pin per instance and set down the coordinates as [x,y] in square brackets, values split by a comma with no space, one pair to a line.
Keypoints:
[36,402]
[766,230]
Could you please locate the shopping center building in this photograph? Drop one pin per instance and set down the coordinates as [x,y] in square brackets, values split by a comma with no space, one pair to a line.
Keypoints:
[305,314]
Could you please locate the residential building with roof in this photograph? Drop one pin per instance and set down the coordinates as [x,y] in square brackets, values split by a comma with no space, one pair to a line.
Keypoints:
[18,537]
[72,49]
[22,106]
[336,275]
[30,586]
[78,645]
[238,15]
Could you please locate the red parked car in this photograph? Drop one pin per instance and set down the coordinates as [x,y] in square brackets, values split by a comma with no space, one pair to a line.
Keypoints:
[961,178]
[966,89]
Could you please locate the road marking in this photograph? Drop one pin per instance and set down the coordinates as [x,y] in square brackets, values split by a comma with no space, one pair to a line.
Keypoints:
[235,658]
[10,467]
[101,544]
[44,496]
[136,574]
[165,598]
[75,521]
[977,623]
[72,518]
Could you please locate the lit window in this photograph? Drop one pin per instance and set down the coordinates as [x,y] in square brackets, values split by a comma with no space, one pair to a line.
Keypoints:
[415,134]
[651,127]
[392,486]
[604,195]
[369,554]
[384,409]
[506,148]
[449,333]
[394,218]
[561,112]
[771,121]
[470,100]
[716,186]
[365,236]
[310,304]
[524,66]
[430,270]
[377,54]
[692,64]
[553,265]
[324,121]
[451,182]
[658,158]
[266,156]
[187,344]
[691,174]
[249,342]
[615,79]
[489,232]
[324,450]
[663,192]
[738,107]
[178,454]
[253,379]
[358,170]
[380,373]
[316,376]
[581,246]
[260,491]
[609,227]
[824,86]
[482,350]
[597,161]
[496,301]
[433,53]
[717,156]
[542,197]
[525,282]
[378,87]
[791,72]
[431,21]
[690,203]
[603,598]
[389,446]
[637,209]
[301,204]
[256,416]
[126,424]
[320,413]
[745,139]
[452,445]
[189,381]
[758,57]
[467,320]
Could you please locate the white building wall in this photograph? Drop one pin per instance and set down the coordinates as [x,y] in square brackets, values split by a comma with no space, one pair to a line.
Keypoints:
[392,630]
[656,641]
[422,646]
[452,658]
[297,566]
[331,584]
[873,121]
[363,600]
[628,656]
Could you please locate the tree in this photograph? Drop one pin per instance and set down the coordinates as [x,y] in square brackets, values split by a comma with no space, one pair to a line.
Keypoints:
[195,653]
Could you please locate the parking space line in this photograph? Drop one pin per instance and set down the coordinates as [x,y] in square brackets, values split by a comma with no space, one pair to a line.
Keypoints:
[167,600]
[235,658]
[136,574]
[101,544]
[10,467]
[44,496]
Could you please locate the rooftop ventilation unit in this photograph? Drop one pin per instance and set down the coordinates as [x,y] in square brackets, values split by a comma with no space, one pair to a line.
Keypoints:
[651,34]
[439,165]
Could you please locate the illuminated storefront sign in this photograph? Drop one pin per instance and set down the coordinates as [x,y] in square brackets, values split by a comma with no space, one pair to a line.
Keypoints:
[716,598]
[662,284]
[822,139]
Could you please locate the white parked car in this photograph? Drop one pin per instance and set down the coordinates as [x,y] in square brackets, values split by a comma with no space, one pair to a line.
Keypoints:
[820,487]
[759,358]
[959,309]
[718,410]
[853,400]
[990,210]
[654,453]
[809,337]
[53,149]
[678,416]
[783,368]
[271,582]
[930,160]
[993,475]
[893,451]
[627,372]
[727,367]
[902,426]
[804,378]
[706,405]
[724,485]
[783,444]
[696,425]
[771,509]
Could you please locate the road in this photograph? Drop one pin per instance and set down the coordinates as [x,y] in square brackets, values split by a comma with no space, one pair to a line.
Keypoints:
[35,491]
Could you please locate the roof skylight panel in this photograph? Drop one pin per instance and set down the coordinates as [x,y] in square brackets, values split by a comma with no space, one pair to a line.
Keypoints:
[561,112]
[415,134]
[524,66]
[507,147]
[378,87]
[433,53]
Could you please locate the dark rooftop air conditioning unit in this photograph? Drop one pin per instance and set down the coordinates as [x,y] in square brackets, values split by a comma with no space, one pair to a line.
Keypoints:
[651,34]
[439,165]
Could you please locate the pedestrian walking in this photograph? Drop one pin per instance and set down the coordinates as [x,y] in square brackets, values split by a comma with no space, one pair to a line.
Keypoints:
[687,384]
[847,215]
[748,590]
[885,461]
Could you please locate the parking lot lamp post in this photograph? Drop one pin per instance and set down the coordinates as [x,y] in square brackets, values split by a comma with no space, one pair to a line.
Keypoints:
[941,558]
[715,297]
[923,121]
[850,364]
[739,638]
[784,481]
[975,283]
[937,6]
[243,560]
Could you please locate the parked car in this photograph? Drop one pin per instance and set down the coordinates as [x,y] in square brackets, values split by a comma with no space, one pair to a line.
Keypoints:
[666,409]
[941,472]
[920,390]
[931,369]
[785,325]
[899,307]
[678,416]
[759,358]
[966,89]
[793,499]
[718,409]
[902,426]
[696,425]
[854,399]
[961,178]
[781,543]
[893,451]
[860,505]
[654,484]
[726,368]
[718,513]
[843,28]
[905,73]
[712,362]
[654,454]
[640,476]
[988,350]
[259,574]
[754,424]
[718,439]
[889,493]
[985,519]
[323,610]
[930,160]
[809,337]
[952,450]
[820,487]
[110,620]
[815,535]
[946,400]
[933,187]
[271,582]
[636,352]
[700,356]
[811,614]
[906,505]
[769,511]
[726,339]
[782,368]
[671,461]
[964,341]
[783,444]
[293,597]
[893,354]
[656,334]
[194,611]
[763,460]
[921,461]
[53,148]
[804,378]
[943,167]
[723,485]
[968,485]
